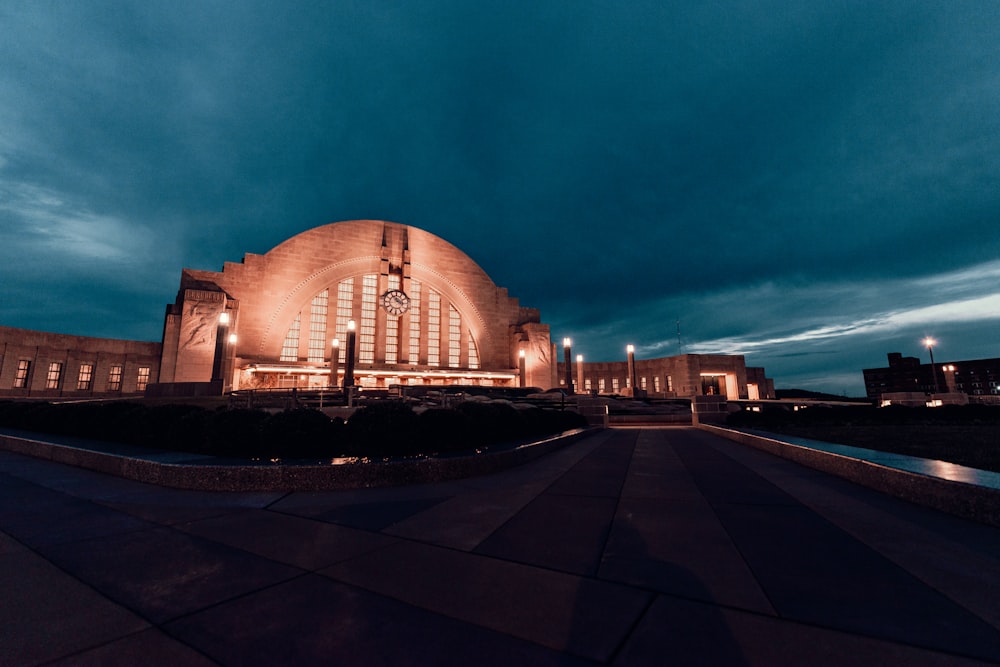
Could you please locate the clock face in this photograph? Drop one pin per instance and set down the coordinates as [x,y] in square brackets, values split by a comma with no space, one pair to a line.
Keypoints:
[395,302]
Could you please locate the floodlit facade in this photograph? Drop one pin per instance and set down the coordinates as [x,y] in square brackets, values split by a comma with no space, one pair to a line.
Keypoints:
[49,365]
[680,376]
[423,311]
[417,310]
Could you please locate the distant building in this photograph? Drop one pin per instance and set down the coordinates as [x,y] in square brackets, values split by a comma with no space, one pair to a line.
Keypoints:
[40,364]
[973,377]
[424,314]
[681,376]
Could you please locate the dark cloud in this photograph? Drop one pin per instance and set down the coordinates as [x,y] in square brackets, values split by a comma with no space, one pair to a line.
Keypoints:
[755,170]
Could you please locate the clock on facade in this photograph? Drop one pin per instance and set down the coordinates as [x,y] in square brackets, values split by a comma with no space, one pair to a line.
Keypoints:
[395,302]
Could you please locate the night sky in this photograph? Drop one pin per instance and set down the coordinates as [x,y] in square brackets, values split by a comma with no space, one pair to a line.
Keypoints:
[811,184]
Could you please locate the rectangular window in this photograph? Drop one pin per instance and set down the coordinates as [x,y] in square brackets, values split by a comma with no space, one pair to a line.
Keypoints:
[670,383]
[290,348]
[454,337]
[21,378]
[414,321]
[656,383]
[642,382]
[85,379]
[366,334]
[433,328]
[600,385]
[473,353]
[54,375]
[614,385]
[392,331]
[586,384]
[115,378]
[345,311]
[143,378]
[317,327]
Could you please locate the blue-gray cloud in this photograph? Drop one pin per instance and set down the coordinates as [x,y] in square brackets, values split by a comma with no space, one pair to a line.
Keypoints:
[770,174]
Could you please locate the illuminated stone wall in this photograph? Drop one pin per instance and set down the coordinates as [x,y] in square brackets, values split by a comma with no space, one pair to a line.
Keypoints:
[60,365]
[288,304]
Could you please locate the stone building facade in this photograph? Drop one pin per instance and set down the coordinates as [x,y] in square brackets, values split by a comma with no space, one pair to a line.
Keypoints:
[40,364]
[681,376]
[424,312]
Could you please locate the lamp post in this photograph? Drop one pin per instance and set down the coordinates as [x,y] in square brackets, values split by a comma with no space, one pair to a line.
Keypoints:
[522,365]
[930,343]
[579,371]
[334,360]
[568,362]
[630,351]
[349,368]
[221,334]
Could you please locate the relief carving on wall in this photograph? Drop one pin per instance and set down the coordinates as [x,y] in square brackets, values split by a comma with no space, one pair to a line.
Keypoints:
[198,324]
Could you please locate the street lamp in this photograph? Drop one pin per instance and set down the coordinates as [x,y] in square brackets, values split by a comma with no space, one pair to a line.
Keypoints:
[522,365]
[349,369]
[334,360]
[929,343]
[630,351]
[568,361]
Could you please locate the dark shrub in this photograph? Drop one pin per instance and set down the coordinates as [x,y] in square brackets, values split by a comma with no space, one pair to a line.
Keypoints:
[385,428]
[234,432]
[493,422]
[445,430]
[302,433]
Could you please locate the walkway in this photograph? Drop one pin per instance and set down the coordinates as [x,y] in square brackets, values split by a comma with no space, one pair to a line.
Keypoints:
[629,547]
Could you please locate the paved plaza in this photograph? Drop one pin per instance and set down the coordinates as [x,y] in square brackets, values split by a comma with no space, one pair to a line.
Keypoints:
[658,546]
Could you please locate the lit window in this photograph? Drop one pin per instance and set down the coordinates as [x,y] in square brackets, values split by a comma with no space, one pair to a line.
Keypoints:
[54,375]
[143,378]
[614,385]
[414,321]
[366,334]
[85,379]
[433,328]
[600,385]
[670,383]
[473,353]
[642,382]
[290,348]
[586,384]
[21,378]
[317,326]
[115,378]
[392,331]
[454,337]
[345,311]
[656,383]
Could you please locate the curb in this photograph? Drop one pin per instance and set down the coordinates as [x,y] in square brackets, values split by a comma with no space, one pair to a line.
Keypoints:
[968,501]
[306,477]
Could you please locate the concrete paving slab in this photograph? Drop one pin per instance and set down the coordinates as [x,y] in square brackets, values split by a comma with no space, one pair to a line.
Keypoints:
[45,613]
[161,573]
[314,620]
[149,648]
[578,615]
[682,632]
[565,533]
[681,549]
[305,543]
[379,514]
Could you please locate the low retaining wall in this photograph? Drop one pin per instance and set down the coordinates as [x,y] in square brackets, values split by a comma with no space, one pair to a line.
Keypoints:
[965,500]
[288,477]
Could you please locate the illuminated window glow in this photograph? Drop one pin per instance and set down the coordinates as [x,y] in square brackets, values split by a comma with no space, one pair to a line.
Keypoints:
[85,379]
[414,321]
[366,334]
[290,348]
[54,375]
[433,328]
[317,326]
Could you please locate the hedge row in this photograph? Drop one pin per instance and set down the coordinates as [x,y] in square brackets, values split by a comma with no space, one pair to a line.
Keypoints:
[379,430]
